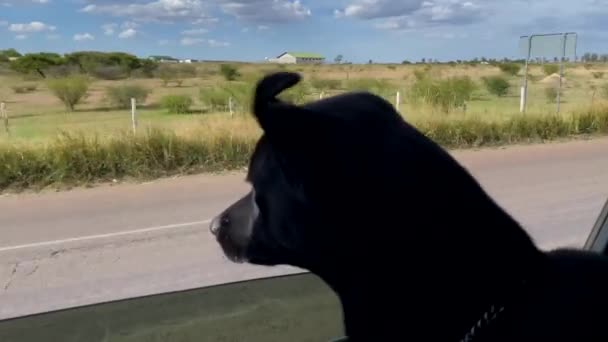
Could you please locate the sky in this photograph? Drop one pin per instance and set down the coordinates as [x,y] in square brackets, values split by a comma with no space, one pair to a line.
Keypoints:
[252,30]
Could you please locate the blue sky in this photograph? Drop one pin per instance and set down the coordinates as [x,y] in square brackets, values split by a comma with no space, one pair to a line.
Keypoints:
[250,30]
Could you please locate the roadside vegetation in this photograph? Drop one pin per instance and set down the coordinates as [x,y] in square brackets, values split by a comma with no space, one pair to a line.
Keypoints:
[69,120]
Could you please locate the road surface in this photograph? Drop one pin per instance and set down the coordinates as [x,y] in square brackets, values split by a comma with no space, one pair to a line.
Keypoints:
[79,247]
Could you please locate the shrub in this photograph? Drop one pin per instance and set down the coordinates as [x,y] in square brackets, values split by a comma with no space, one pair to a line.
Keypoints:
[511,69]
[445,94]
[70,90]
[177,104]
[325,84]
[598,74]
[120,96]
[229,72]
[588,66]
[214,98]
[550,69]
[497,85]
[24,88]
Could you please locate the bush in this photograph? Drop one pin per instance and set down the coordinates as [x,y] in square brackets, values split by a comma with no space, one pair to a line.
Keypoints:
[497,85]
[120,96]
[445,94]
[511,69]
[70,90]
[214,98]
[598,75]
[24,88]
[550,69]
[229,72]
[588,66]
[177,104]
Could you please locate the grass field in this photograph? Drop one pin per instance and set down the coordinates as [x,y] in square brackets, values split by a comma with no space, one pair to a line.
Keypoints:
[99,146]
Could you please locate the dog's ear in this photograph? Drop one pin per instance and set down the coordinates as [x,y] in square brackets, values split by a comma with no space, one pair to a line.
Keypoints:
[281,121]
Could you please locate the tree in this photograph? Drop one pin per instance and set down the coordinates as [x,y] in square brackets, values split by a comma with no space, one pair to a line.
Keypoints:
[70,90]
[370,62]
[37,62]
[586,57]
[604,58]
[594,57]
[10,53]
[423,60]
[338,59]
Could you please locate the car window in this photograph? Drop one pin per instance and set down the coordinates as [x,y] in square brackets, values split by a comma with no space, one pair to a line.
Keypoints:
[126,128]
[289,308]
[598,238]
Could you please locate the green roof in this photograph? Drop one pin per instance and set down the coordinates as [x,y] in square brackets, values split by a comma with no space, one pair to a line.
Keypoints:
[305,55]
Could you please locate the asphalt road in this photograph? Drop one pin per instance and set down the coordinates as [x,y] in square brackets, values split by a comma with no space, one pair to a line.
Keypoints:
[73,248]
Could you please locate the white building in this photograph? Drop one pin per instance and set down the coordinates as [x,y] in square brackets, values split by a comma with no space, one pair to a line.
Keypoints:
[298,58]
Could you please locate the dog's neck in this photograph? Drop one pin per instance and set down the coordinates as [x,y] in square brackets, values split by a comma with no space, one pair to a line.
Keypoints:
[436,297]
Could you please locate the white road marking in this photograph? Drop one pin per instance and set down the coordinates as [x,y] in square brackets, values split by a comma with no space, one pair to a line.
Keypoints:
[103,236]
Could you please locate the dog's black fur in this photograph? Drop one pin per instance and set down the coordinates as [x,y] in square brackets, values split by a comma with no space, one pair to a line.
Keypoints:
[410,242]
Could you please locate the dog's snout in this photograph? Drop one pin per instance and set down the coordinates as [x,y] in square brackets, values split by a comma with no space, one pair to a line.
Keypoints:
[217,223]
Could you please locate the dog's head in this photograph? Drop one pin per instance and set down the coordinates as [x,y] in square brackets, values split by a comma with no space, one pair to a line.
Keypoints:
[333,175]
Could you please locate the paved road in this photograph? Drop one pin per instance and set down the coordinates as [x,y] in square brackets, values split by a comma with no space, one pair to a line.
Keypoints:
[72,248]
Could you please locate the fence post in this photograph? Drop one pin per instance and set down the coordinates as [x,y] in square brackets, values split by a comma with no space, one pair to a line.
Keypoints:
[321,95]
[4,115]
[134,115]
[230,107]
[398,100]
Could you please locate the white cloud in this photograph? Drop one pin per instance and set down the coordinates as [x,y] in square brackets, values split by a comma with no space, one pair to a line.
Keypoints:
[128,33]
[109,29]
[157,10]
[215,43]
[266,11]
[34,26]
[21,36]
[163,42]
[189,41]
[80,37]
[195,32]
[263,27]
[369,9]
[413,14]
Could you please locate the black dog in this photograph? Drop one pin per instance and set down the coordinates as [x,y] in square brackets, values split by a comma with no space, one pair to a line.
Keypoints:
[410,242]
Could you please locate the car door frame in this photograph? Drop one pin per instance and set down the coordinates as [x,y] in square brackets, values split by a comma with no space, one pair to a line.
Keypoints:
[597,241]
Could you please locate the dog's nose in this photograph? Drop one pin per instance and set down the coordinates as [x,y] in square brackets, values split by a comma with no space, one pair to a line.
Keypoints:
[217,223]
